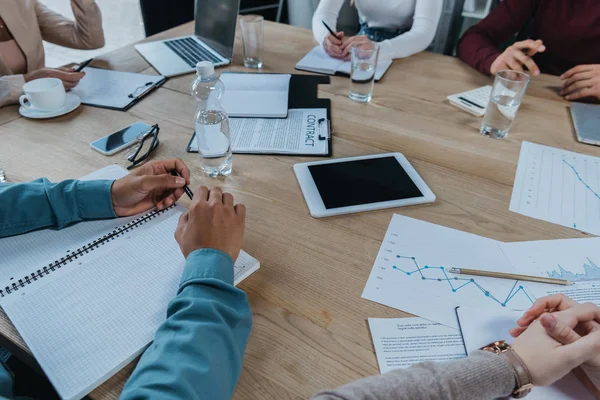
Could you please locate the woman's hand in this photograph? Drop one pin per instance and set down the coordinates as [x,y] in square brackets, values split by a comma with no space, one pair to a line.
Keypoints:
[68,76]
[548,359]
[566,321]
[580,82]
[333,45]
[353,41]
[519,56]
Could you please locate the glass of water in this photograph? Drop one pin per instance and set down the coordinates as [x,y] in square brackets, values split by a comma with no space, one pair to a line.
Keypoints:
[362,73]
[507,95]
[252,40]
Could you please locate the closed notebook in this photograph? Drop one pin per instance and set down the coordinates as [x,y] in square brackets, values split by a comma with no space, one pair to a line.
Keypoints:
[88,299]
[318,61]
[256,95]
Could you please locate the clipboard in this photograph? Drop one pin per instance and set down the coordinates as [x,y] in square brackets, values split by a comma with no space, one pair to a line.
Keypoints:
[303,94]
[94,94]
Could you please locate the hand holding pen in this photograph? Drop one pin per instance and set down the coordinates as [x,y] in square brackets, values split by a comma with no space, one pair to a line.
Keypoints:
[333,43]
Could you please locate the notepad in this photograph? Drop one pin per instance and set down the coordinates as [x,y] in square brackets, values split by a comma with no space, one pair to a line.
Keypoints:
[481,327]
[305,131]
[114,89]
[256,95]
[88,299]
[318,61]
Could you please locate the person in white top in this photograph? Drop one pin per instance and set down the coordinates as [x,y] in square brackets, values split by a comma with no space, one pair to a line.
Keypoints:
[403,27]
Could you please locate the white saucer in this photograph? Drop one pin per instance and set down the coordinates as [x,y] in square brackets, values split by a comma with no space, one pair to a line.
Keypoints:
[71,103]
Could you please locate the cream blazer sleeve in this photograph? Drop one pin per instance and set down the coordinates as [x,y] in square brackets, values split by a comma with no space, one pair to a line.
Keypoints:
[83,33]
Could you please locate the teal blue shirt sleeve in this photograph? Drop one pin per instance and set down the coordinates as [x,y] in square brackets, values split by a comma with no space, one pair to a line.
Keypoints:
[42,204]
[197,352]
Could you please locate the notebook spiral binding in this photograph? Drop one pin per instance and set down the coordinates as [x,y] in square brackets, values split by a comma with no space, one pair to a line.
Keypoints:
[56,265]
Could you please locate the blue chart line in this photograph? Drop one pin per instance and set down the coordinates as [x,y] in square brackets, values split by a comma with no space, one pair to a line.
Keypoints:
[458,283]
[591,273]
[582,181]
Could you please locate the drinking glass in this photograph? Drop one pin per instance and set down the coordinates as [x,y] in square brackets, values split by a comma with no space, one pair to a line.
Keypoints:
[362,73]
[506,98]
[252,40]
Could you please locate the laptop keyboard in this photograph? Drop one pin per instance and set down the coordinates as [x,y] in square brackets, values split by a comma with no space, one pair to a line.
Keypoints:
[191,51]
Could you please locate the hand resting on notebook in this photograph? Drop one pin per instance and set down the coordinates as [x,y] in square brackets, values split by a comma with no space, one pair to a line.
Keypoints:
[212,222]
[148,186]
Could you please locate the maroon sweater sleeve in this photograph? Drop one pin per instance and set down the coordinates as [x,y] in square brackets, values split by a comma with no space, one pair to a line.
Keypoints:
[478,47]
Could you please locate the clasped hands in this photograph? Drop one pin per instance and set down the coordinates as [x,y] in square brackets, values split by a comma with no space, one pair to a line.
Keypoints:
[580,82]
[557,335]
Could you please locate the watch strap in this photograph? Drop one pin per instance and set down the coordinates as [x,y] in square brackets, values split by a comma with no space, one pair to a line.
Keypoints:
[522,374]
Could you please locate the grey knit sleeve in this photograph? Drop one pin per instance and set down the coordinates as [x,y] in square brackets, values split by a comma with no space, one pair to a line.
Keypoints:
[482,375]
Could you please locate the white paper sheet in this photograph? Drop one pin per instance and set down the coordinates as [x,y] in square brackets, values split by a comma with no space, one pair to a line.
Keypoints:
[402,342]
[317,60]
[480,328]
[570,259]
[256,95]
[410,272]
[299,133]
[108,88]
[558,186]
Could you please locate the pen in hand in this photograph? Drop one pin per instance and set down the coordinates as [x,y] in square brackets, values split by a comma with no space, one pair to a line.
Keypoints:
[186,189]
[330,30]
[83,65]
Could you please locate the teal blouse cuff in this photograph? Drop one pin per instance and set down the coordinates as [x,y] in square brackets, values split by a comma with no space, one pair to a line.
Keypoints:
[94,200]
[207,264]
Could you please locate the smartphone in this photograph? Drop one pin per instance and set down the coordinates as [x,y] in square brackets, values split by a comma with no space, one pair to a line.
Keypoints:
[115,142]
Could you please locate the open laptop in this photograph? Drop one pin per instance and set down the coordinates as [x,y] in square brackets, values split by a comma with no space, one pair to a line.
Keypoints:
[213,40]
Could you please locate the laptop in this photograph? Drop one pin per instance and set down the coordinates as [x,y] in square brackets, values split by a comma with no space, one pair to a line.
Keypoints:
[213,40]
[586,119]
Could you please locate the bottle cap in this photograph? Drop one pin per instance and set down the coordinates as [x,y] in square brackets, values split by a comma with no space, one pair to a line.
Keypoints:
[205,68]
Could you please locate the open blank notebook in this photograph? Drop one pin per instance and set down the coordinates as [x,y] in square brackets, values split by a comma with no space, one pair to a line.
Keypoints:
[318,61]
[256,95]
[88,299]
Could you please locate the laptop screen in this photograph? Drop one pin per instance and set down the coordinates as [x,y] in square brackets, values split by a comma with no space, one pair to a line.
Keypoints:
[215,24]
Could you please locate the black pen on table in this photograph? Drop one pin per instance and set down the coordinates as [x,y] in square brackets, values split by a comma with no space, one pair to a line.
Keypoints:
[83,65]
[186,189]
[330,30]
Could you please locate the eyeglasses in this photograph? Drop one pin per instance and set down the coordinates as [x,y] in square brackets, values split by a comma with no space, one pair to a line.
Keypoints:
[143,147]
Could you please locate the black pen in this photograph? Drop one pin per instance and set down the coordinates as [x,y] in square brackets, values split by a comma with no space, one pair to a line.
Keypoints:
[330,30]
[186,189]
[83,65]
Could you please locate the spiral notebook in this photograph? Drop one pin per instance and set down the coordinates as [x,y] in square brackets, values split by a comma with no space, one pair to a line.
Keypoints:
[88,299]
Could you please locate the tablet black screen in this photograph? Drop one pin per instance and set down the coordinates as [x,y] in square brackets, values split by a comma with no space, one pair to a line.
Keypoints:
[352,183]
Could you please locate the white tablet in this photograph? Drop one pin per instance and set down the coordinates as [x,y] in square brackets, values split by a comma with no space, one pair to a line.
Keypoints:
[356,184]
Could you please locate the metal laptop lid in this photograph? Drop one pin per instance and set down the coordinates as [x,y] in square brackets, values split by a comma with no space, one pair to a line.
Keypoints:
[586,118]
[215,24]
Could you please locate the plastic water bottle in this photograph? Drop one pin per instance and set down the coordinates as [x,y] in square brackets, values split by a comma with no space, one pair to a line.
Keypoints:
[212,122]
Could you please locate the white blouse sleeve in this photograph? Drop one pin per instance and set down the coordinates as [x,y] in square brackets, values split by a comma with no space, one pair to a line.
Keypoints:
[328,11]
[420,35]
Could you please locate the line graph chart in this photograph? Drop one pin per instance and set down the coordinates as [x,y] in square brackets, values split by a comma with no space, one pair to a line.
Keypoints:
[591,272]
[558,186]
[412,272]
[456,283]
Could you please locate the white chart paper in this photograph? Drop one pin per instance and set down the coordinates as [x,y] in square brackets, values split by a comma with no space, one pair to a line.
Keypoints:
[411,272]
[558,186]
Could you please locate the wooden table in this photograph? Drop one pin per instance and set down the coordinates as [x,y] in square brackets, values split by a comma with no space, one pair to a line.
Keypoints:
[310,329]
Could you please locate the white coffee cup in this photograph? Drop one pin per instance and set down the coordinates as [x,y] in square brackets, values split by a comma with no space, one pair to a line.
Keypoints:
[45,94]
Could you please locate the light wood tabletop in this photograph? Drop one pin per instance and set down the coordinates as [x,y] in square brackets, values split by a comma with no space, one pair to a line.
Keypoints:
[310,330]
